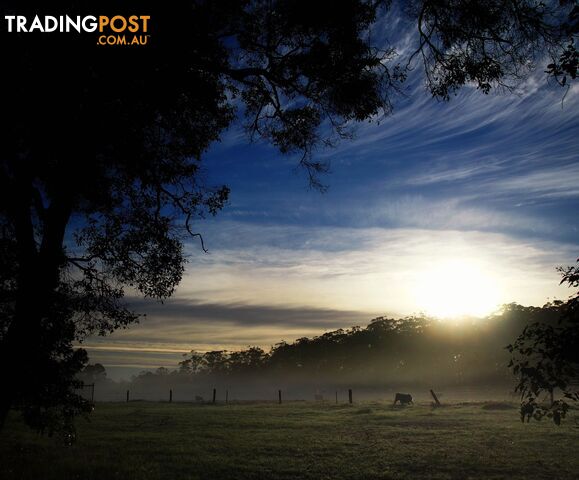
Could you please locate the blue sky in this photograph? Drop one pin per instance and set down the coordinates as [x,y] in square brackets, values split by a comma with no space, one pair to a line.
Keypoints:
[483,189]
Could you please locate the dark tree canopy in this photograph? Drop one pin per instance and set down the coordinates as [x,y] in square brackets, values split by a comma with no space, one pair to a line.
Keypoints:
[545,358]
[493,43]
[100,170]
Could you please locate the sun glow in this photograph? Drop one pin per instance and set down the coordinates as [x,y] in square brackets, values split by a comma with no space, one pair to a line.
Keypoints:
[457,288]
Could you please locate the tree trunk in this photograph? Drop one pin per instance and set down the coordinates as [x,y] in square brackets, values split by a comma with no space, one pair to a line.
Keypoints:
[22,347]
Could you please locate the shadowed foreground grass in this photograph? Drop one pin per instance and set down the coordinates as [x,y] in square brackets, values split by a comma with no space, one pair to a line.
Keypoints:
[295,441]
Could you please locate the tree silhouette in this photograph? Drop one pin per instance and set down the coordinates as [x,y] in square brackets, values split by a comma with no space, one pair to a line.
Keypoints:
[546,358]
[100,171]
[412,351]
[490,43]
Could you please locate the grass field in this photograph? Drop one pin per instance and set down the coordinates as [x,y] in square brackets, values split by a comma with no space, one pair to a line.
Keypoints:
[143,440]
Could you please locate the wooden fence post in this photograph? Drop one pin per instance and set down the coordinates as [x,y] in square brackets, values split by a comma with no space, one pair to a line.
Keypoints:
[226,396]
[127,396]
[350,395]
[279,396]
[435,397]
[214,394]
[336,397]
[92,393]
[170,395]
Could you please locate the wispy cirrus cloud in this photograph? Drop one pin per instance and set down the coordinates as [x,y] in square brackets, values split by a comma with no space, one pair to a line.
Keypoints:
[550,182]
[369,270]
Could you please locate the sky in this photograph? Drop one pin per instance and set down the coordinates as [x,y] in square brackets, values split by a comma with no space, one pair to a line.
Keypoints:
[443,208]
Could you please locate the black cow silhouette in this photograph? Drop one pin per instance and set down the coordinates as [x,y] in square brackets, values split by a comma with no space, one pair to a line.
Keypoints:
[403,398]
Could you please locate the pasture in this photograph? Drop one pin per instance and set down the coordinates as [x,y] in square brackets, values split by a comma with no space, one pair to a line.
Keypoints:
[297,440]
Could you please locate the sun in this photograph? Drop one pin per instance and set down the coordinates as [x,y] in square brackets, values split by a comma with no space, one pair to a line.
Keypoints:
[457,288]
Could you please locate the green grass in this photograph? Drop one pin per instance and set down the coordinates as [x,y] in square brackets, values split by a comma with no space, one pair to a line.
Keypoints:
[296,440]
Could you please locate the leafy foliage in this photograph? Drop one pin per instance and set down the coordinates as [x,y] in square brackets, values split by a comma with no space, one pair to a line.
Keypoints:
[492,43]
[566,65]
[546,358]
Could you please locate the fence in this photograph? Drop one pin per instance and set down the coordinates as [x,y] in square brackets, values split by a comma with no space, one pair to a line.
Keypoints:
[225,395]
[211,396]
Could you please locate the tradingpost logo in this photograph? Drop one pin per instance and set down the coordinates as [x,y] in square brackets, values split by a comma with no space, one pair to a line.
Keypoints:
[117,30]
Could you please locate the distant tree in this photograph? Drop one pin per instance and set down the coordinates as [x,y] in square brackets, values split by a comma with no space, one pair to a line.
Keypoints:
[100,172]
[191,364]
[93,373]
[546,358]
[143,376]
[250,360]
[215,362]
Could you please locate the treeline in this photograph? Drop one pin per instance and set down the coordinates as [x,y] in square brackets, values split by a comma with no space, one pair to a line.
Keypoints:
[412,350]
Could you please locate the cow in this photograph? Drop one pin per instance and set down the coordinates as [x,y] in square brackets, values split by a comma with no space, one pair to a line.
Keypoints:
[403,398]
